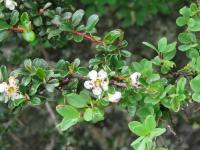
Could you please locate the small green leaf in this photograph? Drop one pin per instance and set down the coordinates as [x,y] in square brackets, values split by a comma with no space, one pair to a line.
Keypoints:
[86,95]
[47,5]
[24,18]
[4,25]
[76,100]
[187,37]
[144,111]
[194,83]
[137,128]
[3,73]
[187,47]
[88,115]
[53,33]
[175,105]
[38,21]
[132,110]
[150,123]
[51,85]
[14,17]
[196,97]
[181,21]
[191,23]
[4,35]
[29,36]
[98,114]
[91,22]
[185,11]
[78,38]
[149,45]
[41,73]
[135,143]
[67,15]
[111,36]
[36,101]
[153,77]
[17,102]
[195,25]
[181,85]
[66,26]
[67,123]
[126,53]
[162,44]
[26,80]
[70,116]
[142,145]
[67,111]
[157,132]
[34,87]
[28,64]
[170,47]
[77,17]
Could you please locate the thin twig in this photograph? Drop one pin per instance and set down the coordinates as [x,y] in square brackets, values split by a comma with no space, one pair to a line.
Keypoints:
[91,38]
[14,137]
[16,29]
[52,115]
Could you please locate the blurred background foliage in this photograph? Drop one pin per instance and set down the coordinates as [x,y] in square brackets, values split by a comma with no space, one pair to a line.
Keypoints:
[142,20]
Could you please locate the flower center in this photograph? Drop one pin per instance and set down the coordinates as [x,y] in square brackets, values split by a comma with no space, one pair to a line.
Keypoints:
[98,82]
[11,90]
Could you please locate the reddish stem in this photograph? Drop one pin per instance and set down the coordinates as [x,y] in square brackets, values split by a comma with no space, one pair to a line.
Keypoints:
[15,29]
[91,38]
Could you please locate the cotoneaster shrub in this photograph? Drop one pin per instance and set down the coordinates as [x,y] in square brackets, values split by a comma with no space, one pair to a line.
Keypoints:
[148,89]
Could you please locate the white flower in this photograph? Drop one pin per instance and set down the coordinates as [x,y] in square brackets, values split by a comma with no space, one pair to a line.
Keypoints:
[98,82]
[115,98]
[3,87]
[92,75]
[10,4]
[97,91]
[89,85]
[10,89]
[135,79]
[102,74]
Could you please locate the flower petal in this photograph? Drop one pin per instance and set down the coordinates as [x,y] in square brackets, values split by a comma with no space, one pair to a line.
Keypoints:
[135,78]
[10,4]
[3,87]
[104,85]
[92,75]
[88,85]
[97,91]
[102,74]
[115,98]
[16,96]
[12,80]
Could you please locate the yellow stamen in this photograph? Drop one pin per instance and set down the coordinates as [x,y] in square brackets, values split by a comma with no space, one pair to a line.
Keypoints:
[11,90]
[98,82]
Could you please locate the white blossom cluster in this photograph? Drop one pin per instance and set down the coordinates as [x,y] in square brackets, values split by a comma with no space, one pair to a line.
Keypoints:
[10,4]
[135,79]
[10,89]
[98,82]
